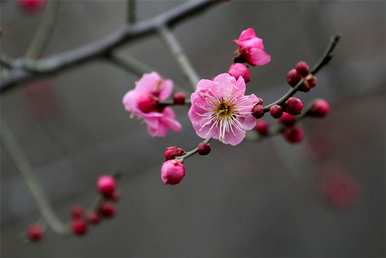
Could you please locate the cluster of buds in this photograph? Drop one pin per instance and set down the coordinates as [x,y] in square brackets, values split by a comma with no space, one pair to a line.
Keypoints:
[81,218]
[291,110]
[173,169]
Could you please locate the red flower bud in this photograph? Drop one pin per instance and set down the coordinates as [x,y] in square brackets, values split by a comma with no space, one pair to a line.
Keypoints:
[172,152]
[31,6]
[258,111]
[276,111]
[294,106]
[35,232]
[106,185]
[320,108]
[179,98]
[77,212]
[93,218]
[302,68]
[287,119]
[79,227]
[293,77]
[293,134]
[203,148]
[262,127]
[107,210]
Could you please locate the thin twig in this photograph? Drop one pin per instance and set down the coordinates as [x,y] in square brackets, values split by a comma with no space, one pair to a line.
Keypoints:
[131,11]
[326,58]
[45,29]
[179,54]
[22,164]
[97,49]
[192,152]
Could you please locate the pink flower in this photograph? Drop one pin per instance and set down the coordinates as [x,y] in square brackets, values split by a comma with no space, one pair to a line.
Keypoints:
[172,172]
[143,102]
[221,110]
[251,48]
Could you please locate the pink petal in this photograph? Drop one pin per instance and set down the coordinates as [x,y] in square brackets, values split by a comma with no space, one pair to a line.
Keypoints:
[235,137]
[166,89]
[147,82]
[258,57]
[247,34]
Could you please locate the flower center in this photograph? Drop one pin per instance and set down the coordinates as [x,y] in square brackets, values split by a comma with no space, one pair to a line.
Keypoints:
[224,110]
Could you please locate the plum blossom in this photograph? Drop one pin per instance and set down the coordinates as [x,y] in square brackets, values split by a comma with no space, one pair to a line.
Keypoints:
[143,102]
[251,48]
[221,110]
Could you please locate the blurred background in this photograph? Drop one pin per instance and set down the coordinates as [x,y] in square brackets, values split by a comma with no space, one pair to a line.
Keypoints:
[322,198]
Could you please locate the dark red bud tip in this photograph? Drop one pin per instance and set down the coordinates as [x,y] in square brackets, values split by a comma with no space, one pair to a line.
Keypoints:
[147,103]
[276,111]
[309,83]
[79,227]
[293,134]
[35,232]
[302,68]
[203,148]
[293,77]
[262,127]
[107,210]
[258,111]
[93,218]
[294,106]
[320,108]
[179,98]
[77,212]
[287,119]
[172,152]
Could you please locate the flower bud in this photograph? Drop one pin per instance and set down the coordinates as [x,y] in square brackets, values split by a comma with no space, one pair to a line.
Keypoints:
[293,77]
[179,98]
[35,232]
[93,218]
[276,111]
[258,111]
[172,172]
[309,83]
[294,106]
[172,152]
[237,69]
[293,134]
[287,119]
[203,148]
[107,210]
[77,212]
[320,108]
[31,6]
[79,227]
[302,68]
[106,185]
[147,103]
[262,127]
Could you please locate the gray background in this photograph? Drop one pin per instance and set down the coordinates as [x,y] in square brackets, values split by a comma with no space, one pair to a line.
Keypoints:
[256,199]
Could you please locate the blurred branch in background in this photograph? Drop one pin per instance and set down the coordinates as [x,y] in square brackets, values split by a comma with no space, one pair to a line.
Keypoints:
[27,69]
[22,164]
[45,29]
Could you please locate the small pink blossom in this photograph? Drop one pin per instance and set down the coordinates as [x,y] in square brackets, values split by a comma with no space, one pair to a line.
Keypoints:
[172,172]
[239,69]
[251,48]
[221,110]
[143,102]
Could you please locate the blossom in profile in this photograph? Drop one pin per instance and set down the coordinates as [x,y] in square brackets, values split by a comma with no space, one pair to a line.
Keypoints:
[144,102]
[221,110]
[251,48]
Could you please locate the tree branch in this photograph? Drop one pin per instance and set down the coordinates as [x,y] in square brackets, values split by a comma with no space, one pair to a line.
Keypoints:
[96,50]
[179,54]
[326,58]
